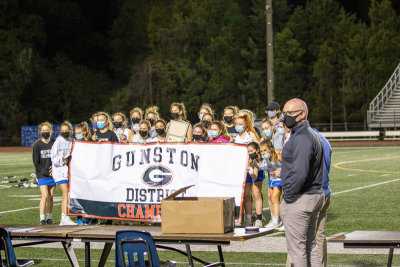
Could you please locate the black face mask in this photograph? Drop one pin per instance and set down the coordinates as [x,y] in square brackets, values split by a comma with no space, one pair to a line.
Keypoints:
[135,120]
[160,131]
[151,121]
[65,134]
[174,115]
[196,137]
[143,133]
[46,135]
[228,119]
[290,121]
[117,124]
[253,155]
[206,124]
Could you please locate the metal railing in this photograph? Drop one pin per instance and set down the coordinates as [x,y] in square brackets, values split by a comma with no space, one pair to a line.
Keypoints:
[384,95]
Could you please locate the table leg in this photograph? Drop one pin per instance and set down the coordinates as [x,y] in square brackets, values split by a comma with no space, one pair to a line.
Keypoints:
[390,258]
[87,254]
[189,254]
[221,256]
[70,253]
[105,253]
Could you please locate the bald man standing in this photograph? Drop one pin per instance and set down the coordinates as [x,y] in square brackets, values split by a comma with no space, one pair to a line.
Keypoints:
[302,172]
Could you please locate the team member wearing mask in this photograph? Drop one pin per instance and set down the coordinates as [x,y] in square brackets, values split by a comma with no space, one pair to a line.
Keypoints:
[144,133]
[218,133]
[178,113]
[152,116]
[207,120]
[252,118]
[60,157]
[121,129]
[104,132]
[271,135]
[199,133]
[230,113]
[205,109]
[160,130]
[136,115]
[273,111]
[247,134]
[42,160]
[254,180]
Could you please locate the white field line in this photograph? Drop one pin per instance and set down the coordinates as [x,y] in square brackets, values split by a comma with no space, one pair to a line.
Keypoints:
[264,209]
[30,208]
[12,172]
[364,187]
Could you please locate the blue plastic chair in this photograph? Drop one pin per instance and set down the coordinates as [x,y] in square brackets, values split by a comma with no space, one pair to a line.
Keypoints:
[138,248]
[6,245]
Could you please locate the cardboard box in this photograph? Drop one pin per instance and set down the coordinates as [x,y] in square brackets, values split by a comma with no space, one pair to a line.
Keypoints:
[197,215]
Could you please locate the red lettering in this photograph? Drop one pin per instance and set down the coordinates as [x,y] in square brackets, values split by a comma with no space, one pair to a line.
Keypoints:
[139,212]
[130,209]
[120,213]
[158,210]
[149,211]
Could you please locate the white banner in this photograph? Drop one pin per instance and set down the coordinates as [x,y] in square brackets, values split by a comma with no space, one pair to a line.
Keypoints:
[128,181]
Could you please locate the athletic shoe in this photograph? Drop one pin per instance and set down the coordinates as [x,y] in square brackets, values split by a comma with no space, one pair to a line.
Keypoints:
[87,221]
[67,221]
[281,229]
[43,222]
[49,221]
[247,223]
[79,222]
[258,223]
[271,225]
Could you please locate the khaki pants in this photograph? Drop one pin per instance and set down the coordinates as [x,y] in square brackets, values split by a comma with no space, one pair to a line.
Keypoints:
[300,221]
[321,227]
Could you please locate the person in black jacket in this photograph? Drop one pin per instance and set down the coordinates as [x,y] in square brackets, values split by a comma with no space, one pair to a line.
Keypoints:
[42,160]
[302,172]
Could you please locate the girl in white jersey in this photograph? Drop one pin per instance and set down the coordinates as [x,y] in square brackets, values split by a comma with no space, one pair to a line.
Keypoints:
[60,157]
[144,133]
[121,129]
[246,131]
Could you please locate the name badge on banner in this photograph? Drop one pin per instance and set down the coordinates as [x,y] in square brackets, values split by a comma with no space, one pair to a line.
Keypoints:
[128,181]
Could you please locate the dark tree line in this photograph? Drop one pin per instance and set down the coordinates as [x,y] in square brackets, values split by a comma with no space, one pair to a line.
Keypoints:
[67,59]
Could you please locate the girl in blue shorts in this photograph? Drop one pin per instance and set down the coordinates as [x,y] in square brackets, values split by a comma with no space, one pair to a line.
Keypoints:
[42,160]
[254,181]
[272,166]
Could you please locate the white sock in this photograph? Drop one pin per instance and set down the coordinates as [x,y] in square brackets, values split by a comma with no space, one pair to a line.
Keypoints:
[248,217]
[63,217]
[41,217]
[48,216]
[275,219]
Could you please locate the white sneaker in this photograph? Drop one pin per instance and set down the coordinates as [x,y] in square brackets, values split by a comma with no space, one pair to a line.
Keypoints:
[67,221]
[271,225]
[258,223]
[281,229]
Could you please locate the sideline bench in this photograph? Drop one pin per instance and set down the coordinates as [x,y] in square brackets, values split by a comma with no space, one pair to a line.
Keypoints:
[392,135]
[370,239]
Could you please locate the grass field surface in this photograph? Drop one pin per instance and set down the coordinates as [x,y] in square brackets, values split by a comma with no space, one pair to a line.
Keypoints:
[365,182]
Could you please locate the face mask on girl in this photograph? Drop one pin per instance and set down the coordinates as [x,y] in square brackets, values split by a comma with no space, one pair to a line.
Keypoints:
[266,156]
[253,155]
[201,116]
[160,131]
[268,133]
[228,119]
[281,131]
[212,133]
[79,136]
[65,135]
[101,124]
[239,128]
[174,115]
[46,135]
[117,124]
[135,120]
[196,137]
[143,133]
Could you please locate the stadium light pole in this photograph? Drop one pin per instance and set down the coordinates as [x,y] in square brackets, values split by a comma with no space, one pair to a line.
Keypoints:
[270,51]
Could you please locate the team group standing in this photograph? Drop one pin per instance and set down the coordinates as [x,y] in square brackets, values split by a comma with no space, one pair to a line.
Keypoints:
[266,152]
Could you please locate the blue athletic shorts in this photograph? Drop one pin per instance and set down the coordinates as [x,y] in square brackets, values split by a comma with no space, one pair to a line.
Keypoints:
[272,184]
[62,182]
[46,181]
[260,177]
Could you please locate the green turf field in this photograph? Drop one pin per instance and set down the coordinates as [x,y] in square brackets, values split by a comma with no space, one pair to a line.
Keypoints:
[365,182]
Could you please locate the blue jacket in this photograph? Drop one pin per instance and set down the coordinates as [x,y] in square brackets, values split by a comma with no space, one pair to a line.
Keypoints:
[326,146]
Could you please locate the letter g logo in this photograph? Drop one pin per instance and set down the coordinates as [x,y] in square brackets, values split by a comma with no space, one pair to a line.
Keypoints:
[157,176]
